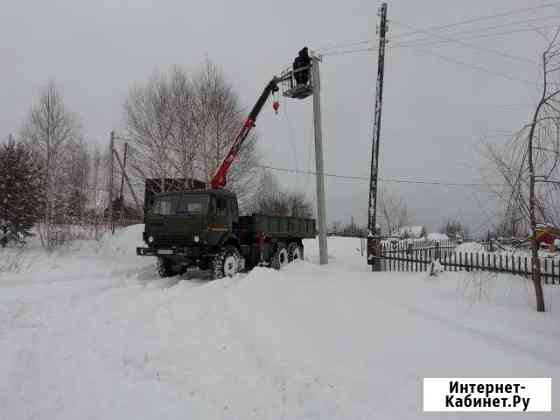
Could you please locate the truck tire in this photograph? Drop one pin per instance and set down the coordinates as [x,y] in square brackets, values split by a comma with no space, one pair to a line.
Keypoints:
[227,263]
[295,252]
[164,267]
[281,257]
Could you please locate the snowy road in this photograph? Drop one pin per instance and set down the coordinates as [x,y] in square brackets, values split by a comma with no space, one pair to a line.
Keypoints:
[92,333]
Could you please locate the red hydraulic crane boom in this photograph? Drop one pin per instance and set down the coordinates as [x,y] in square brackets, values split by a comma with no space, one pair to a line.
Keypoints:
[219,179]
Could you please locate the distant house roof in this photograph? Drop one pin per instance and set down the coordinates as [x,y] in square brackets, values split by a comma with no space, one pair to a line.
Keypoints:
[437,236]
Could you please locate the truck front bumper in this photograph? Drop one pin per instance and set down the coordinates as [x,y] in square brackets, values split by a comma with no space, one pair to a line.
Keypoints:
[189,252]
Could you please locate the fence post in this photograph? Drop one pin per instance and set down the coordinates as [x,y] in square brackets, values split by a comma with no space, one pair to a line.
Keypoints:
[546,271]
[455,261]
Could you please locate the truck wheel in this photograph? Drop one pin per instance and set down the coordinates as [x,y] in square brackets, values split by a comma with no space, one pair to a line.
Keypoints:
[164,267]
[226,263]
[281,257]
[295,252]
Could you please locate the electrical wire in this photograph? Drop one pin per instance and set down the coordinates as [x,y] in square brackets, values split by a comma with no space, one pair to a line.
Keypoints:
[348,51]
[451,60]
[291,134]
[393,180]
[474,67]
[430,42]
[346,44]
[446,26]
[480,18]
[478,35]
[466,44]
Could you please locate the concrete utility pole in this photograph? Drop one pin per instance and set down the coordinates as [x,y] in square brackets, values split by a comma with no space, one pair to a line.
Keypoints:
[321,216]
[373,233]
[111,186]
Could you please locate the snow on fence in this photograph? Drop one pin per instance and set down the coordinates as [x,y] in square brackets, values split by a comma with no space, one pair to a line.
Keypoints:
[418,242]
[407,257]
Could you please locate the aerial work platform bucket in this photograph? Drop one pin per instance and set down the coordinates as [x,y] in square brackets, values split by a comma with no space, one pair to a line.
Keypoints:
[297,83]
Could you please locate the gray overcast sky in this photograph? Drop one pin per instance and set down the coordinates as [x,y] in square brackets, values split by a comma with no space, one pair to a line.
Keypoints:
[435,111]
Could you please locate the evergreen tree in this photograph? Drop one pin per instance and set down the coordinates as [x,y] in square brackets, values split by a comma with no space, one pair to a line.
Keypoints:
[21,193]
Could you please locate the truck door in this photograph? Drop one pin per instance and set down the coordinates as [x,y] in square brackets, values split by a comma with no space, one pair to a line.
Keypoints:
[221,214]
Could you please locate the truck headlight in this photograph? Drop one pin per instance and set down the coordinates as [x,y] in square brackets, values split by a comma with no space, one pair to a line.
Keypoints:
[196,238]
[150,239]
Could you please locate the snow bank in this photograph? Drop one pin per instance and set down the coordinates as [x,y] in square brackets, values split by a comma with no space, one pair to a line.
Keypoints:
[308,342]
[123,243]
[113,253]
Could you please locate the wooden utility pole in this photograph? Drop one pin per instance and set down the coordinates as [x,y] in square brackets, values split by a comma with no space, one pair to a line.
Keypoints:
[134,196]
[374,240]
[321,216]
[111,181]
[121,193]
[122,177]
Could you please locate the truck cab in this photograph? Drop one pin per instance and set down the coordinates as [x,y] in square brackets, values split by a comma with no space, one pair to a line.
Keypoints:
[203,229]
[200,218]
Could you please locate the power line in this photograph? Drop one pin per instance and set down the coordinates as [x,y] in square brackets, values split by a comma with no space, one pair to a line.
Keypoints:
[349,51]
[482,18]
[428,41]
[466,44]
[291,131]
[475,67]
[393,180]
[479,34]
[345,45]
[445,58]
[435,28]
[482,29]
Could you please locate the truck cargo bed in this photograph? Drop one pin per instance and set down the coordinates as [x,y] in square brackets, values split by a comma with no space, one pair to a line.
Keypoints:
[278,226]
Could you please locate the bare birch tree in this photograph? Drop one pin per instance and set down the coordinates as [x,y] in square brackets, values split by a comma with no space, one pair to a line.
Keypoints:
[393,211]
[529,163]
[217,119]
[184,145]
[52,132]
[271,199]
[183,127]
[149,120]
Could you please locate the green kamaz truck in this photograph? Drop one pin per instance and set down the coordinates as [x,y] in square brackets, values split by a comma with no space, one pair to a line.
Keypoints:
[202,228]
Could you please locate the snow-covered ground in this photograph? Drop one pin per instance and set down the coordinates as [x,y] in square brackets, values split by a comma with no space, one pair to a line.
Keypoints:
[90,332]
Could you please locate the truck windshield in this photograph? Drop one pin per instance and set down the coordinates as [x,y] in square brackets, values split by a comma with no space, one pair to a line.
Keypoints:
[187,205]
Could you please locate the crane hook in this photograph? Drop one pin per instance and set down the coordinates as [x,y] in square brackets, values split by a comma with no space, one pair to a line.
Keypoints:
[275,103]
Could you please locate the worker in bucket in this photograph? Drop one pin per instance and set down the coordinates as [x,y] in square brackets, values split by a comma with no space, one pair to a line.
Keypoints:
[301,67]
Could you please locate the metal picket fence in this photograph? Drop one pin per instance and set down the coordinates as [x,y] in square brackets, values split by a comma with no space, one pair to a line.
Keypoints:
[408,257]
